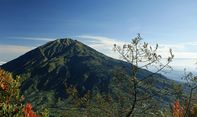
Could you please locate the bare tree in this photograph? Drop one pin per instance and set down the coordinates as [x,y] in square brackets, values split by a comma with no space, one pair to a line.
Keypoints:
[142,56]
[191,82]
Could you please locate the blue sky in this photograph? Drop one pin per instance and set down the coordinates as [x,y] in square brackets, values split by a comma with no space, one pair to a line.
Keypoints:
[26,24]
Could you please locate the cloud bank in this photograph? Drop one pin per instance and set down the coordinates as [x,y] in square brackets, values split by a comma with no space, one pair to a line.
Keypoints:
[14,49]
[105,45]
[33,38]
[2,62]
[185,55]
[101,44]
[9,52]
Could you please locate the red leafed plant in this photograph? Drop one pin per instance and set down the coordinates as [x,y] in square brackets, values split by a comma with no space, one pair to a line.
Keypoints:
[28,111]
[11,102]
[178,110]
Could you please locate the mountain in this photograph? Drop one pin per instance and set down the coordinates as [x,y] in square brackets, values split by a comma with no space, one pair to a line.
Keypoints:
[48,68]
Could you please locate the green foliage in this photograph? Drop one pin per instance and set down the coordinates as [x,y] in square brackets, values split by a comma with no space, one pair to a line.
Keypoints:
[10,100]
[178,90]
[45,113]
[92,105]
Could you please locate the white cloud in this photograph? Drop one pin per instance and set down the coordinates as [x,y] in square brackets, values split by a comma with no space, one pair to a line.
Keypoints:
[9,52]
[2,62]
[188,63]
[101,44]
[183,57]
[192,43]
[180,50]
[105,45]
[185,54]
[173,46]
[33,38]
[101,40]
[14,49]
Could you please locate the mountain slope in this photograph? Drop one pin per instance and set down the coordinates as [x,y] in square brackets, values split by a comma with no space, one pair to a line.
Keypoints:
[55,62]
[48,68]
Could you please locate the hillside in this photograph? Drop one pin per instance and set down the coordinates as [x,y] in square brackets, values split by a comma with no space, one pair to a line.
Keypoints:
[48,68]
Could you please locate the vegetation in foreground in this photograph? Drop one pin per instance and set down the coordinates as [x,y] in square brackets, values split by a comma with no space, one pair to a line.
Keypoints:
[11,101]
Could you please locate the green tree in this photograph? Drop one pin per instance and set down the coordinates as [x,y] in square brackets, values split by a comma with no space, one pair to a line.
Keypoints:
[89,105]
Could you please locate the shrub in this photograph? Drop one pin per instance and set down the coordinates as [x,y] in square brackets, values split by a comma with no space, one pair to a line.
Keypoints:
[11,102]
